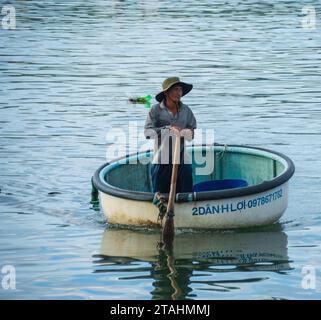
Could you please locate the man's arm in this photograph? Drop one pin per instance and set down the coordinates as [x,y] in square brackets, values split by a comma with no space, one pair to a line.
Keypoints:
[151,131]
[188,132]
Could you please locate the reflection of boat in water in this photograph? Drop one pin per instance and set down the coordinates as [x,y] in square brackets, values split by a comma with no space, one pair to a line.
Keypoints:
[256,250]
[197,260]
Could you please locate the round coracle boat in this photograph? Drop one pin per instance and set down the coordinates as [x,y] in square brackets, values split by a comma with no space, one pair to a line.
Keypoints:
[234,186]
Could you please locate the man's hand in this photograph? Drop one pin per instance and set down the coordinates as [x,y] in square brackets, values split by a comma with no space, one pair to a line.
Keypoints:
[176,130]
[187,134]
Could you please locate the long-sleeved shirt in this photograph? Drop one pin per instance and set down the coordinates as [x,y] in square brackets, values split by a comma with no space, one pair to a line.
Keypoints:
[157,125]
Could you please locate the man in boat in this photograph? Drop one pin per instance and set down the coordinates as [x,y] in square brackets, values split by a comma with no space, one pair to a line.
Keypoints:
[168,118]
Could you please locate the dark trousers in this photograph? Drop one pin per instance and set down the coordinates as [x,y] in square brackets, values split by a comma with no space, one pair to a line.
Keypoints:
[162,174]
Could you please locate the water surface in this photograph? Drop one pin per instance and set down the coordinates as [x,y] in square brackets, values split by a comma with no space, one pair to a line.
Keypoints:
[65,75]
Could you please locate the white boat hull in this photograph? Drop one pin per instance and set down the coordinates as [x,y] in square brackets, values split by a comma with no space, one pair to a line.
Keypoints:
[237,212]
[126,193]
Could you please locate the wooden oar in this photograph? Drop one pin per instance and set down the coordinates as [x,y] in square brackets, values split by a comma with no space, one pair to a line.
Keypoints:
[168,230]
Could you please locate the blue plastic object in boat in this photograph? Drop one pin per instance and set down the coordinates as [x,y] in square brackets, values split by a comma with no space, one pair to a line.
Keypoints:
[213,185]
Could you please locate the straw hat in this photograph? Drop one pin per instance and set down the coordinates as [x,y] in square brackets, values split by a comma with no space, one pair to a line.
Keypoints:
[170,82]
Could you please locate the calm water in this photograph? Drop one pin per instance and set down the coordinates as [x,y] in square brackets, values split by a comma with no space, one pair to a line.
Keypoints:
[66,73]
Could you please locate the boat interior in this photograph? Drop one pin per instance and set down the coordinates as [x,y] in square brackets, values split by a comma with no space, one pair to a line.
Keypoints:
[209,163]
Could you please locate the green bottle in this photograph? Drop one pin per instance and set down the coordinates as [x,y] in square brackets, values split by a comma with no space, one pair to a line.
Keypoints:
[142,100]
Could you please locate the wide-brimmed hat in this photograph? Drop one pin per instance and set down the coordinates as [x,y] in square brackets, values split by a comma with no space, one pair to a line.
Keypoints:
[170,82]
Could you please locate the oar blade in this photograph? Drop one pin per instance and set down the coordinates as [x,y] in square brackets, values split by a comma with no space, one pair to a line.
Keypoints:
[168,231]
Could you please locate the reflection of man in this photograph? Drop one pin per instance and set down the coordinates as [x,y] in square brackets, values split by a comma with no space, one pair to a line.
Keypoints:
[170,116]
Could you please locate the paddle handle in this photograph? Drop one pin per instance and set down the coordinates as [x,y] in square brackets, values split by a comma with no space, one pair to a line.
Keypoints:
[172,193]
[168,230]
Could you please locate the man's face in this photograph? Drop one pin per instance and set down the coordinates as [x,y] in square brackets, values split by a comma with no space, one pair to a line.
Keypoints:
[175,93]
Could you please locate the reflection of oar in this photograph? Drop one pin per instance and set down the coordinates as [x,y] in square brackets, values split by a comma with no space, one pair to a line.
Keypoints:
[168,230]
[172,277]
[170,264]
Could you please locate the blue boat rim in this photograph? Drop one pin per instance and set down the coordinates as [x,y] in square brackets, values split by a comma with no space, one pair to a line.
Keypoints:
[197,196]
